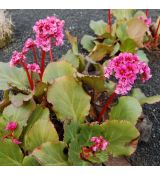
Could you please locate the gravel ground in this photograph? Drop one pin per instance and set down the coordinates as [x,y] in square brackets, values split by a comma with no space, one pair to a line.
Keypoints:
[77,22]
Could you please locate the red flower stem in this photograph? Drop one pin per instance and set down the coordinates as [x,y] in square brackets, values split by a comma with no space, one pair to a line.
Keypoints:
[147,12]
[51,55]
[109,19]
[109,101]
[156,34]
[42,63]
[28,75]
[35,55]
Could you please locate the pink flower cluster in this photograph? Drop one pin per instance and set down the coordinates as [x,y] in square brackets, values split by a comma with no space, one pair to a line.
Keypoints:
[125,68]
[48,29]
[17,58]
[11,126]
[99,144]
[146,20]
[34,68]
[29,44]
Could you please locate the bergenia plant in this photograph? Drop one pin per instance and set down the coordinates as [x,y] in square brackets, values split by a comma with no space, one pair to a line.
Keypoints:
[75,110]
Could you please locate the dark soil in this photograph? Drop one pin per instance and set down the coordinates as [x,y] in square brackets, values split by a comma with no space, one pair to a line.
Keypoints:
[77,21]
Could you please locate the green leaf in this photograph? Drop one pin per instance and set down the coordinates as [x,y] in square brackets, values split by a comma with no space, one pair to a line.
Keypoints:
[38,113]
[42,131]
[115,49]
[57,69]
[121,14]
[139,95]
[5,101]
[73,41]
[128,108]
[72,58]
[99,27]
[12,76]
[128,45]
[19,114]
[29,161]
[83,139]
[142,56]
[74,154]
[10,154]
[70,131]
[51,154]
[87,42]
[119,134]
[100,51]
[40,89]
[101,157]
[121,32]
[69,100]
[139,13]
[18,99]
[90,80]
[136,30]
[88,131]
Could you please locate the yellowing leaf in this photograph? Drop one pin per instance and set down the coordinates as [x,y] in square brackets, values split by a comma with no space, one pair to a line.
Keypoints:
[136,31]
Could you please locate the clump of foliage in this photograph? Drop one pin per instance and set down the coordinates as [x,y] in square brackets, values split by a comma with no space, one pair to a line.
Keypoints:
[5,28]
[50,115]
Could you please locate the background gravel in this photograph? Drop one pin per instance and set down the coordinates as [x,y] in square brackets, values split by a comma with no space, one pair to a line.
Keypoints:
[77,22]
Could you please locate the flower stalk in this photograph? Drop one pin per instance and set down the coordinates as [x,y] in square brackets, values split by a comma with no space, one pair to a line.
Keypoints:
[109,19]
[28,75]
[51,55]
[147,12]
[35,55]
[156,34]
[106,106]
[42,63]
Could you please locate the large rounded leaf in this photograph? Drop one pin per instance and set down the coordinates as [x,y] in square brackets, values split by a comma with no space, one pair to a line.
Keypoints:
[119,134]
[100,51]
[136,31]
[12,76]
[51,154]
[128,108]
[41,131]
[99,27]
[90,80]
[122,14]
[29,161]
[69,100]
[88,42]
[140,96]
[10,154]
[57,69]
[19,114]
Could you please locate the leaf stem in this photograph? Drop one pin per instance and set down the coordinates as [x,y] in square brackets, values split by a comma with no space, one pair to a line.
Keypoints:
[109,101]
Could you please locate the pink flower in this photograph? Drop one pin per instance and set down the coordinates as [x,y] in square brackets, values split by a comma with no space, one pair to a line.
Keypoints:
[30,43]
[100,144]
[34,68]
[17,58]
[15,141]
[48,29]
[11,126]
[125,68]
[146,20]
